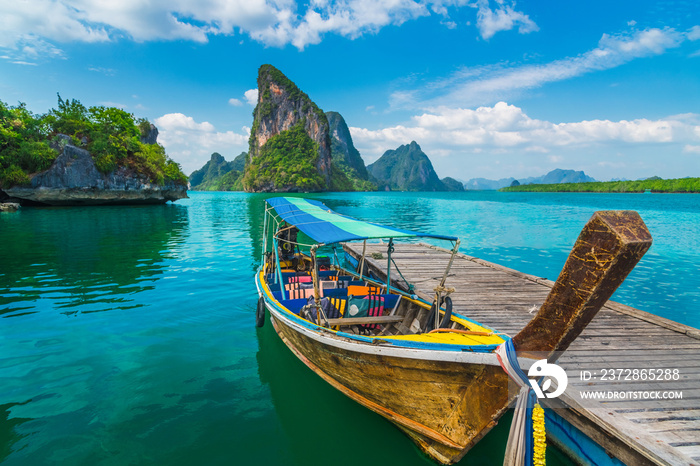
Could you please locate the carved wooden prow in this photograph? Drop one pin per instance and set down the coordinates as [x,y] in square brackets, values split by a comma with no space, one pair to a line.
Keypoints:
[608,248]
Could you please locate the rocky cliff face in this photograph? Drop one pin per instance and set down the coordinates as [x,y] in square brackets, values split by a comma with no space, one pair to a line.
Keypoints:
[282,107]
[406,169]
[342,148]
[152,136]
[73,179]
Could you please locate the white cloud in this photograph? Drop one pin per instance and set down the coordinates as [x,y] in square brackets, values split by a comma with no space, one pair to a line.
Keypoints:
[271,22]
[690,149]
[101,70]
[191,143]
[504,127]
[251,96]
[694,33]
[502,18]
[235,102]
[485,85]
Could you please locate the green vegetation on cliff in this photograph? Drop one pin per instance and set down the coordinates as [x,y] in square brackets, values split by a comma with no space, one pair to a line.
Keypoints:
[406,169]
[289,145]
[219,175]
[287,162]
[344,178]
[30,143]
[680,185]
[451,184]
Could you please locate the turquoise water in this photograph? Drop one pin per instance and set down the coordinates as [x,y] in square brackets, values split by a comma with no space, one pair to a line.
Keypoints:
[127,333]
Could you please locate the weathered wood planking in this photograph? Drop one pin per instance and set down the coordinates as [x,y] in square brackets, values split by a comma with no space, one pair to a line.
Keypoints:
[506,300]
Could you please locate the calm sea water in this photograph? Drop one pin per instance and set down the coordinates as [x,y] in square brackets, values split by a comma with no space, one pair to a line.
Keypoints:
[127,333]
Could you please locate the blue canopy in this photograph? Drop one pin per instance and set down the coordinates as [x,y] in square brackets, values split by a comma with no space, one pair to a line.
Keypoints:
[325,226]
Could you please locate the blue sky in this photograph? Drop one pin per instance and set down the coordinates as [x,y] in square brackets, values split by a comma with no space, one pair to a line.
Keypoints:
[488,89]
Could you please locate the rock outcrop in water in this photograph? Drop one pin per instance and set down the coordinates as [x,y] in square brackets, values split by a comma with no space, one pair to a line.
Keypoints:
[289,146]
[406,169]
[73,179]
[451,184]
[219,175]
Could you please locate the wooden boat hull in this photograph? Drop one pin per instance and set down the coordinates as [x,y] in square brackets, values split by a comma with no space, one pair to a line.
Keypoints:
[445,407]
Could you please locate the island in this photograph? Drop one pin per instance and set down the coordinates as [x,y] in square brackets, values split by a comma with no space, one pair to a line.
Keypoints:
[75,155]
[650,185]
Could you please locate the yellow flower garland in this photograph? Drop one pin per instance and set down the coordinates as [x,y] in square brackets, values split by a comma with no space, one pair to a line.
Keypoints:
[539,436]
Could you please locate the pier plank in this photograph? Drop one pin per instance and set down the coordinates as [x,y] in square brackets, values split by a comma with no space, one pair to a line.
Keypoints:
[620,336]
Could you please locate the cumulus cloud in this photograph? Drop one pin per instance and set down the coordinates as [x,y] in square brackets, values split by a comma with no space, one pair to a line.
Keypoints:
[271,22]
[191,143]
[488,84]
[502,18]
[453,131]
[235,102]
[251,96]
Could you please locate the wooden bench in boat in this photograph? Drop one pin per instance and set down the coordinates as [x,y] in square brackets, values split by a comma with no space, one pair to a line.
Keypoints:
[345,321]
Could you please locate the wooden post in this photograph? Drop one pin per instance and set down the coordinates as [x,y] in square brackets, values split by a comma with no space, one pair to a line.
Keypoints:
[362,261]
[314,275]
[608,248]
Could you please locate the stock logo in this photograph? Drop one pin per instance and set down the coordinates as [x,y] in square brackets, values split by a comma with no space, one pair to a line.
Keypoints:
[550,371]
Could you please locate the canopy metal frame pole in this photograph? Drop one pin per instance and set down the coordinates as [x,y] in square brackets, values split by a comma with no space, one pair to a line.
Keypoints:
[274,244]
[265,231]
[279,269]
[389,250]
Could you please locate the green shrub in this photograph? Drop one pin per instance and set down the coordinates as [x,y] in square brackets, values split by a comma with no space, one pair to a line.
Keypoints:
[35,156]
[13,176]
[112,135]
[287,161]
[105,163]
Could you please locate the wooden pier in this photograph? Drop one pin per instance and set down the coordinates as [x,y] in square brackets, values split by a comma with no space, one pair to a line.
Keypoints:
[653,431]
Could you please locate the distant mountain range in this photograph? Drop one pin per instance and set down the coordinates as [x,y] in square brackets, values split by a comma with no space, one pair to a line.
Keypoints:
[296,147]
[556,176]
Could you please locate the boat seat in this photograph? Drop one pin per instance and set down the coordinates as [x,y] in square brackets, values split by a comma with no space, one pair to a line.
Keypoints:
[357,290]
[296,291]
[346,321]
[335,292]
[299,279]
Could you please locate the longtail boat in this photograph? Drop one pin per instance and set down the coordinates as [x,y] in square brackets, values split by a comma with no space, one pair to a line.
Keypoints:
[431,371]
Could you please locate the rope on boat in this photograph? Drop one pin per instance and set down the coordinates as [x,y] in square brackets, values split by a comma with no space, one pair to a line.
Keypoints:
[409,286]
[526,440]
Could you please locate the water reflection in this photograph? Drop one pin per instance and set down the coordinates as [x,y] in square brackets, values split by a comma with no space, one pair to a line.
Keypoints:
[88,257]
[8,430]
